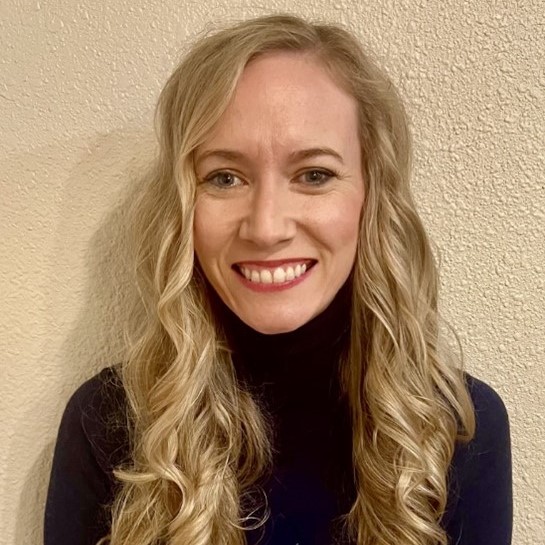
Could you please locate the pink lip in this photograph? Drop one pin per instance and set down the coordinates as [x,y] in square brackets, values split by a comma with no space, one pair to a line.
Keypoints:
[267,288]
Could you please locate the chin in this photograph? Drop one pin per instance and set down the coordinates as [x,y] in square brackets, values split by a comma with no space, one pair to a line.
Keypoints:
[275,327]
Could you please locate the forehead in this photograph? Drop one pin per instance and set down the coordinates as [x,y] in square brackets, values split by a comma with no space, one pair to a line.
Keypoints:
[287,99]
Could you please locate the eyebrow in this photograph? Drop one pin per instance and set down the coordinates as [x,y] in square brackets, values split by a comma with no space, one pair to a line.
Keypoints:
[295,156]
[315,152]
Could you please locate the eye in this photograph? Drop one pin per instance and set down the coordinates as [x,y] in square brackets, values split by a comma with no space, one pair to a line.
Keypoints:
[316,176]
[223,179]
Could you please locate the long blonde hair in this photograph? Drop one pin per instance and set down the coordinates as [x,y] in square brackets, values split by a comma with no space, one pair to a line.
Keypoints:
[199,441]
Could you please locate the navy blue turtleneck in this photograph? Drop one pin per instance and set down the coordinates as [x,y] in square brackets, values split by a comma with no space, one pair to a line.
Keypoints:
[294,378]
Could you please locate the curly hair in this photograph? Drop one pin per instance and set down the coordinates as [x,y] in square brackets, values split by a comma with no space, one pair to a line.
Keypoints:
[199,440]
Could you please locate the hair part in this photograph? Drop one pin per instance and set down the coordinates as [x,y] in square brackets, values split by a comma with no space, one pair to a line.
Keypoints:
[199,441]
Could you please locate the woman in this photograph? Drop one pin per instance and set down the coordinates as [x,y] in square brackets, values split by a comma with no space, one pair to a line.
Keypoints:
[286,383]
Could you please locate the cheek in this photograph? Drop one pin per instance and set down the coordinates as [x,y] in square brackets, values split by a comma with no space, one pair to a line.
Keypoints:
[340,224]
[214,227]
[205,234]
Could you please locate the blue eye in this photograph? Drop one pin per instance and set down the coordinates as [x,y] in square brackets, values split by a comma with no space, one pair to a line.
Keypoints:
[317,177]
[223,179]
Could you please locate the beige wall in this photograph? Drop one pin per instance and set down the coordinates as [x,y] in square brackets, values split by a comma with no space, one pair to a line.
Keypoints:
[78,81]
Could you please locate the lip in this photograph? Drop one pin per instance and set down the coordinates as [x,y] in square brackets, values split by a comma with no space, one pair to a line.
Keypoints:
[267,288]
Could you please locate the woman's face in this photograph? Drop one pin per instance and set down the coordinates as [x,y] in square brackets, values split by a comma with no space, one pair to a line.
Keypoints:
[280,193]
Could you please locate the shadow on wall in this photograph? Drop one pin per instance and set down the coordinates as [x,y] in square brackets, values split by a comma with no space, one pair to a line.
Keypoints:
[91,254]
[101,188]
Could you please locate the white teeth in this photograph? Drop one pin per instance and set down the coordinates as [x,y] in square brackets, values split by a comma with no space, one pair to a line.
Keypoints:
[279,275]
[266,277]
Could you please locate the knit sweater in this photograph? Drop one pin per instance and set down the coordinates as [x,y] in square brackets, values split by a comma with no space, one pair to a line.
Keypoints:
[294,377]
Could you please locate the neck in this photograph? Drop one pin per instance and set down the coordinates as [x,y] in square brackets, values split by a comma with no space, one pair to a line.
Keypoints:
[294,378]
[303,358]
[325,329]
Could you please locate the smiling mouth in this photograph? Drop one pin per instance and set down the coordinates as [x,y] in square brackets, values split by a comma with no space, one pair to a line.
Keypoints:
[264,273]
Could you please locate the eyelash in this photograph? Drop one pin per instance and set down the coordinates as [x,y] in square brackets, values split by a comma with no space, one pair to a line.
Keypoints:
[326,176]
[212,178]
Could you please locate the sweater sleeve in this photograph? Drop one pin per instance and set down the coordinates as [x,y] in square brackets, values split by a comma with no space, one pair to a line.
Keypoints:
[480,503]
[81,486]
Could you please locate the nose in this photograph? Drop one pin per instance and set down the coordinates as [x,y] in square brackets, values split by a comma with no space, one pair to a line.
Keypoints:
[268,220]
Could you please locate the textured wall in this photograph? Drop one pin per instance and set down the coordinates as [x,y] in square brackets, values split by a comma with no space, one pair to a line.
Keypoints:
[78,82]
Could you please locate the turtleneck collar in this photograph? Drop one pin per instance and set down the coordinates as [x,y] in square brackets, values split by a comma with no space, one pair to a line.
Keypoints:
[298,367]
[322,332]
[294,377]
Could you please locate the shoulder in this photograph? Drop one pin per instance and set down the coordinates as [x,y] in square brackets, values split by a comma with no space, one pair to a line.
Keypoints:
[99,399]
[483,395]
[491,418]
[489,450]
[98,390]
[91,442]
[480,503]
[96,413]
